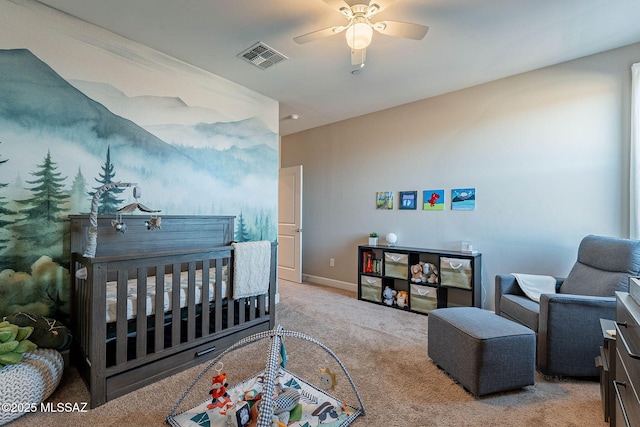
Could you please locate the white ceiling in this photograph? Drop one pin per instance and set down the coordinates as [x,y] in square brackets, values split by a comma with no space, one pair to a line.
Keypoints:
[469,42]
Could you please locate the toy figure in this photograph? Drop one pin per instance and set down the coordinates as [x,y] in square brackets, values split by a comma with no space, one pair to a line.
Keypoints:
[388,295]
[153,223]
[218,389]
[402,299]
[431,273]
[327,379]
[418,273]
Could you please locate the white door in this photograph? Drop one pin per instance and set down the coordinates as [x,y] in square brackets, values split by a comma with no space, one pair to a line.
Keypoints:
[290,224]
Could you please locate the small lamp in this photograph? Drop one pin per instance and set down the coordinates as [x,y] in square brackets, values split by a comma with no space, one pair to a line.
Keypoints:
[391,239]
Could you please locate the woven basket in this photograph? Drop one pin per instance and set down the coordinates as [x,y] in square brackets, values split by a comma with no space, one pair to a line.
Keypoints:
[25,385]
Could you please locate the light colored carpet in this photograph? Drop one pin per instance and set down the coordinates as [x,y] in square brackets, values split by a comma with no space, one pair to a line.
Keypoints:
[384,350]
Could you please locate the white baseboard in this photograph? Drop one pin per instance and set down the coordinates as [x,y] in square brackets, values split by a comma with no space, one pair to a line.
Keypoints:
[330,282]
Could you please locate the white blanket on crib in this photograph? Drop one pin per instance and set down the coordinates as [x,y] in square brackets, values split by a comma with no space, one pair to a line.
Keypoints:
[251,268]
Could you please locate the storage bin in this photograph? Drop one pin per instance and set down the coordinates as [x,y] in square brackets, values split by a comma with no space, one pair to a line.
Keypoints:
[371,288]
[396,265]
[423,298]
[455,273]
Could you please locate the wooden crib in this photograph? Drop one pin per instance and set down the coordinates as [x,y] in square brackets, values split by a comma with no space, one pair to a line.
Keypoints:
[184,272]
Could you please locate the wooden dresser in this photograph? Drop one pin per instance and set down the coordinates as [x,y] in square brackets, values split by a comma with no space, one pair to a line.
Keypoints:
[627,368]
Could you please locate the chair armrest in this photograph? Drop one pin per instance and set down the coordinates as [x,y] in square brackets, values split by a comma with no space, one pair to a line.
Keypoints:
[507,284]
[569,332]
[569,305]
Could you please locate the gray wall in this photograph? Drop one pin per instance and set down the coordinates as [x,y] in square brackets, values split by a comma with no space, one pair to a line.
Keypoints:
[546,150]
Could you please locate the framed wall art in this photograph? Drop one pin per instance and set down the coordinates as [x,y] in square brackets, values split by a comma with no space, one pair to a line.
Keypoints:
[408,199]
[463,199]
[433,200]
[384,200]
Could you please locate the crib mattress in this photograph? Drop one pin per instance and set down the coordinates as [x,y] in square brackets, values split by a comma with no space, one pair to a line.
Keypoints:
[132,291]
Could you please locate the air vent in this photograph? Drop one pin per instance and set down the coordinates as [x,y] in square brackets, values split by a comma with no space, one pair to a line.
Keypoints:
[262,56]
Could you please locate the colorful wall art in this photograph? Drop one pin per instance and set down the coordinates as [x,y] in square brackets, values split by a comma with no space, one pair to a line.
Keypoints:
[433,200]
[384,200]
[463,199]
[408,199]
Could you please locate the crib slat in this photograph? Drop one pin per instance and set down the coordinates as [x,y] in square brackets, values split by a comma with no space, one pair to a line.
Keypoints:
[121,317]
[242,304]
[175,305]
[218,295]
[252,308]
[206,297]
[191,304]
[159,311]
[261,305]
[141,316]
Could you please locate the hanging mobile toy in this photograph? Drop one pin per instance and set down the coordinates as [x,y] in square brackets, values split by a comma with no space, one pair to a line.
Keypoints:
[327,379]
[219,396]
[153,223]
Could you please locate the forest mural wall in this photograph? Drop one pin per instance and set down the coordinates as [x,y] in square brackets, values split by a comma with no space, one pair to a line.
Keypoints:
[81,107]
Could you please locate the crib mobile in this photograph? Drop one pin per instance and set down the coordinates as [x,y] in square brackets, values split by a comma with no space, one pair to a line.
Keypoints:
[274,397]
[118,223]
[151,224]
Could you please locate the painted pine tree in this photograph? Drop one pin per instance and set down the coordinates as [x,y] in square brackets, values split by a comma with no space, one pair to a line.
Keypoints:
[79,200]
[242,234]
[109,203]
[39,226]
[48,194]
[5,214]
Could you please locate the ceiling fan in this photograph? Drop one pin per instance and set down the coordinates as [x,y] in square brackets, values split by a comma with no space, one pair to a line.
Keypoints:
[359,29]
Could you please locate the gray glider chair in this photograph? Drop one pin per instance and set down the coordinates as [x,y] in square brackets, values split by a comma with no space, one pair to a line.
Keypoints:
[567,324]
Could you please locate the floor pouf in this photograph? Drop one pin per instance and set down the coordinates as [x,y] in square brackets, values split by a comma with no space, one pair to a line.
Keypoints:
[25,385]
[484,352]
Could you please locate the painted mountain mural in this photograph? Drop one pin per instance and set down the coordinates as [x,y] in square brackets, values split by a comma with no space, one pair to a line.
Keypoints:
[58,145]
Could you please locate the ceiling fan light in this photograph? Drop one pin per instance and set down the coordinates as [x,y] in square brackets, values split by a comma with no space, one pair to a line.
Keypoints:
[359,35]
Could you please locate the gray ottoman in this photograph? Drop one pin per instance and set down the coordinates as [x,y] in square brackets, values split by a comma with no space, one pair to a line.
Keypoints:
[484,352]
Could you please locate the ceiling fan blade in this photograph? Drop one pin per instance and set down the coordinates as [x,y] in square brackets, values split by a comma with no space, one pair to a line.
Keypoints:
[401,29]
[315,35]
[339,5]
[377,6]
[358,56]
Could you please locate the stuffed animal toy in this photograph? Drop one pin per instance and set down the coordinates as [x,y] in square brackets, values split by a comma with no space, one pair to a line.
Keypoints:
[402,299]
[417,273]
[218,389]
[431,273]
[388,295]
[153,223]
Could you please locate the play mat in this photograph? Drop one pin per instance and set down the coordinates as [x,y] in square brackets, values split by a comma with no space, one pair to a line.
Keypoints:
[273,397]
